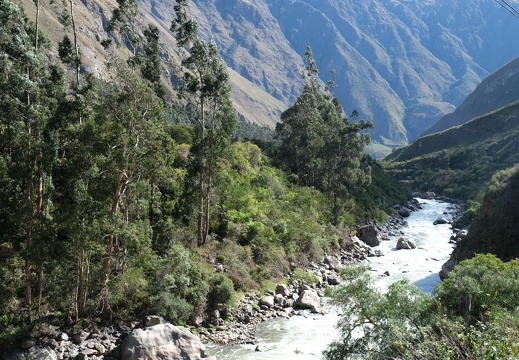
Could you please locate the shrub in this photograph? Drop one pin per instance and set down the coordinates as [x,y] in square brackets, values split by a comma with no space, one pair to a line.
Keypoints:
[221,291]
[305,277]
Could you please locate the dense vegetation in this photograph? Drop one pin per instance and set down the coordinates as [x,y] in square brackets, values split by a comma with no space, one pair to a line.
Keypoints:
[494,229]
[473,315]
[110,211]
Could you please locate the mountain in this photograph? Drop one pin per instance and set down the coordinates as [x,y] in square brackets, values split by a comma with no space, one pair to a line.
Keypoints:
[495,91]
[460,161]
[404,64]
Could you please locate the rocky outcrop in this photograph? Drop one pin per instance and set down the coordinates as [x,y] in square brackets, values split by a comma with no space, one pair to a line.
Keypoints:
[406,244]
[448,266]
[165,342]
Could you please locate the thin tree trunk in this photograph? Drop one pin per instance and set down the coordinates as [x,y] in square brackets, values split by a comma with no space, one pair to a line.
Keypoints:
[77,59]
[73,18]
[28,235]
[37,2]
[107,261]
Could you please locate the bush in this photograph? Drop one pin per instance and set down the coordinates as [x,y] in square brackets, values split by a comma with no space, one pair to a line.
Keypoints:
[221,291]
[305,277]
[479,287]
[180,286]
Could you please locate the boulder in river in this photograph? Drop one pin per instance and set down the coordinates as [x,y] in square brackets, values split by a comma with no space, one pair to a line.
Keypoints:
[440,221]
[404,212]
[447,267]
[370,235]
[404,243]
[309,300]
[163,341]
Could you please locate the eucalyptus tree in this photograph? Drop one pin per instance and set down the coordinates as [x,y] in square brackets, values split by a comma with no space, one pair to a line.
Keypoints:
[30,92]
[130,140]
[207,85]
[320,144]
[144,43]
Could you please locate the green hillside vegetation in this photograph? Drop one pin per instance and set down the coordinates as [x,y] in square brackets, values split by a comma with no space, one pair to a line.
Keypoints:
[116,204]
[495,230]
[460,161]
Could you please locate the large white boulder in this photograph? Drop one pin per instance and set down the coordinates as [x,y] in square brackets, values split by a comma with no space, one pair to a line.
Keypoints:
[164,342]
[309,300]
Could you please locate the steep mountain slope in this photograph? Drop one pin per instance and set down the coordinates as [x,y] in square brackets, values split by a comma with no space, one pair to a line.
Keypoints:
[461,161]
[401,63]
[251,101]
[495,91]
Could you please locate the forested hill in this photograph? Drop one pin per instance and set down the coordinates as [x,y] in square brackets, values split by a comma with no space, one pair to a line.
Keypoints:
[402,64]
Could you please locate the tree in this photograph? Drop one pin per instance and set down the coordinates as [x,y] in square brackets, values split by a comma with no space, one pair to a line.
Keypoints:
[30,91]
[320,144]
[130,128]
[207,83]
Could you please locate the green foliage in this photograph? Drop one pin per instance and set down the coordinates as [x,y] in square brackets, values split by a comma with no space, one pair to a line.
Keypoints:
[106,194]
[221,291]
[304,277]
[480,287]
[322,146]
[377,325]
[494,228]
[179,287]
[460,162]
[474,315]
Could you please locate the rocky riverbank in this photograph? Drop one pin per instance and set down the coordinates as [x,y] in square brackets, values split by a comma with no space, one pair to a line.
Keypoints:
[223,325]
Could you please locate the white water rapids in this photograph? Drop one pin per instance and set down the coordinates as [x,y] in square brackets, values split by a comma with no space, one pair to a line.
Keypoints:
[305,337]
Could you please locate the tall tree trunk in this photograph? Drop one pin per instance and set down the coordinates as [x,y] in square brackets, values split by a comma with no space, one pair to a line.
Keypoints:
[37,3]
[201,238]
[76,47]
[110,240]
[28,235]
[83,261]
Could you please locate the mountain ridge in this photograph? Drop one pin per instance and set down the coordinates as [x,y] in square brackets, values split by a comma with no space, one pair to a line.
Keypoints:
[402,64]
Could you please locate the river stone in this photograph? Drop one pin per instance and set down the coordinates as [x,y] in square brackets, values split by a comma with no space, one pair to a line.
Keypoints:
[165,342]
[260,348]
[282,289]
[266,301]
[28,342]
[332,262]
[280,299]
[80,337]
[404,212]
[370,235]
[37,352]
[152,320]
[309,300]
[440,221]
[404,243]
[333,279]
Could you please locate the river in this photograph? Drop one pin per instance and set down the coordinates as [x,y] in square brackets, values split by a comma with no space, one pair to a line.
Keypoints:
[304,337]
